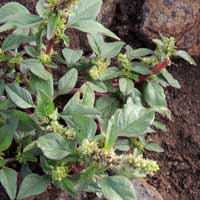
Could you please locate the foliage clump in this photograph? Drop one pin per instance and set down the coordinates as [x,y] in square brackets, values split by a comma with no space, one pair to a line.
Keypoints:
[87,130]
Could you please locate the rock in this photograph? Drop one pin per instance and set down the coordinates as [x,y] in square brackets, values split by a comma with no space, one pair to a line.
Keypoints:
[144,191]
[179,18]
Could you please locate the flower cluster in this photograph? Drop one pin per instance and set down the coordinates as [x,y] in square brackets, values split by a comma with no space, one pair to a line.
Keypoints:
[146,166]
[17,59]
[88,148]
[123,61]
[100,65]
[59,173]
[45,58]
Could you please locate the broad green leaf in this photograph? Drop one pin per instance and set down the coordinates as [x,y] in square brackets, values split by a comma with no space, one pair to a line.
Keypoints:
[154,147]
[33,184]
[159,125]
[8,178]
[53,21]
[134,120]
[71,56]
[5,27]
[68,186]
[14,41]
[40,8]
[85,127]
[36,67]
[54,146]
[19,96]
[26,122]
[122,145]
[6,134]
[93,27]
[141,68]
[107,105]
[85,10]
[113,130]
[104,49]
[98,86]
[45,86]
[12,8]
[184,55]
[23,20]
[110,73]
[31,51]
[137,53]
[68,81]
[126,86]
[111,49]
[45,105]
[170,79]
[88,95]
[154,94]
[118,188]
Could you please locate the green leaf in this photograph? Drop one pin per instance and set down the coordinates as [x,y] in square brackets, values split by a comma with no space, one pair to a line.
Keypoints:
[19,96]
[184,55]
[113,130]
[6,134]
[159,125]
[12,8]
[170,79]
[54,146]
[8,178]
[134,120]
[31,51]
[98,86]
[137,53]
[85,127]
[104,49]
[126,86]
[88,95]
[68,81]
[86,10]
[45,105]
[13,41]
[46,86]
[36,67]
[154,94]
[93,27]
[141,68]
[107,105]
[118,188]
[71,56]
[26,122]
[53,21]
[110,73]
[122,145]
[154,147]
[40,8]
[33,184]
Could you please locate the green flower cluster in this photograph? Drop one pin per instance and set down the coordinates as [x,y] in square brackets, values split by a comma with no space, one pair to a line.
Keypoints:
[88,148]
[100,65]
[146,166]
[45,58]
[16,60]
[56,127]
[59,173]
[123,61]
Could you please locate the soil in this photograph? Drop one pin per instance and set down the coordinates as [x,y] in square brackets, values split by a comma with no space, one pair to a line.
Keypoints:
[179,177]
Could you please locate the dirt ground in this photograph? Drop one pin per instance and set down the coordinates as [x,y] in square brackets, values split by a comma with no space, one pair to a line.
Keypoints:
[179,177]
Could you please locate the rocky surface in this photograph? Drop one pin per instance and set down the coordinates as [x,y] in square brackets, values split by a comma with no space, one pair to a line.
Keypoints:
[179,18]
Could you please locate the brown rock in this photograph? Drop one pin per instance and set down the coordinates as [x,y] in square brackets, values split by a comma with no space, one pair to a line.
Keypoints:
[144,191]
[179,18]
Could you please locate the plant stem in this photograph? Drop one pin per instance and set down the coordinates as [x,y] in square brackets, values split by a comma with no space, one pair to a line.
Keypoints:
[10,160]
[155,70]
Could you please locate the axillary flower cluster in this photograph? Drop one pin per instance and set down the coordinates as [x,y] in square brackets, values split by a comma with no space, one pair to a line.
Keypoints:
[99,66]
[110,159]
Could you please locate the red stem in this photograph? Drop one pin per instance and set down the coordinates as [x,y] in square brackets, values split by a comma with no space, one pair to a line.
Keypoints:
[155,70]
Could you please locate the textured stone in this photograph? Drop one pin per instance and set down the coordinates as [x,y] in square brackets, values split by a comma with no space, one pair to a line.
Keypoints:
[144,191]
[179,18]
